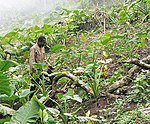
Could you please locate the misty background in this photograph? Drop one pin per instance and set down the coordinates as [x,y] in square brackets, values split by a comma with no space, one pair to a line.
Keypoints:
[23,13]
[12,8]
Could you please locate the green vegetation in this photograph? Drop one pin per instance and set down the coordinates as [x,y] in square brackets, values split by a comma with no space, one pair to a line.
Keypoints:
[89,43]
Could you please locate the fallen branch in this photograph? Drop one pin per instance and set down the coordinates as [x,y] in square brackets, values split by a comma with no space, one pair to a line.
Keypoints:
[138,63]
[126,79]
[146,110]
[59,75]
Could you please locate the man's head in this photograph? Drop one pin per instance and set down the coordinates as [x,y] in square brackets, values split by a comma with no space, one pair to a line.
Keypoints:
[41,41]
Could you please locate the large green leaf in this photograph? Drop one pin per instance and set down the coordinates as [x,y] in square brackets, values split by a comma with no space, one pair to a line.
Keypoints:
[105,39]
[47,29]
[57,47]
[6,64]
[27,114]
[5,97]
[4,85]
[10,34]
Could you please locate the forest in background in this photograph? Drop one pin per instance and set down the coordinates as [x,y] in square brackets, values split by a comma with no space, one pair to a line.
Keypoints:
[101,60]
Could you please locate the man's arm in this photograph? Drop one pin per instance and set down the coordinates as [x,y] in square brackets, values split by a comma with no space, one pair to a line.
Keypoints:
[49,65]
[32,59]
[46,60]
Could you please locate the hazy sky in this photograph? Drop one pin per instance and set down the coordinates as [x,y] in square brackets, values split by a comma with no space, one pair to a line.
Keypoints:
[12,12]
[9,8]
[7,5]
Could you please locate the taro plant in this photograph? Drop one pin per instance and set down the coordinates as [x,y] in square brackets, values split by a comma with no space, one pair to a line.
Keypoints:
[40,80]
[14,91]
[76,16]
[5,84]
[16,84]
[27,114]
[63,105]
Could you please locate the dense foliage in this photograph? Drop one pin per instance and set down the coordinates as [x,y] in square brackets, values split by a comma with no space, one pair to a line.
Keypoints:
[89,43]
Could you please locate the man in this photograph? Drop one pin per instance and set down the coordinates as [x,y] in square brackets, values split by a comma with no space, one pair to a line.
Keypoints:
[37,55]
